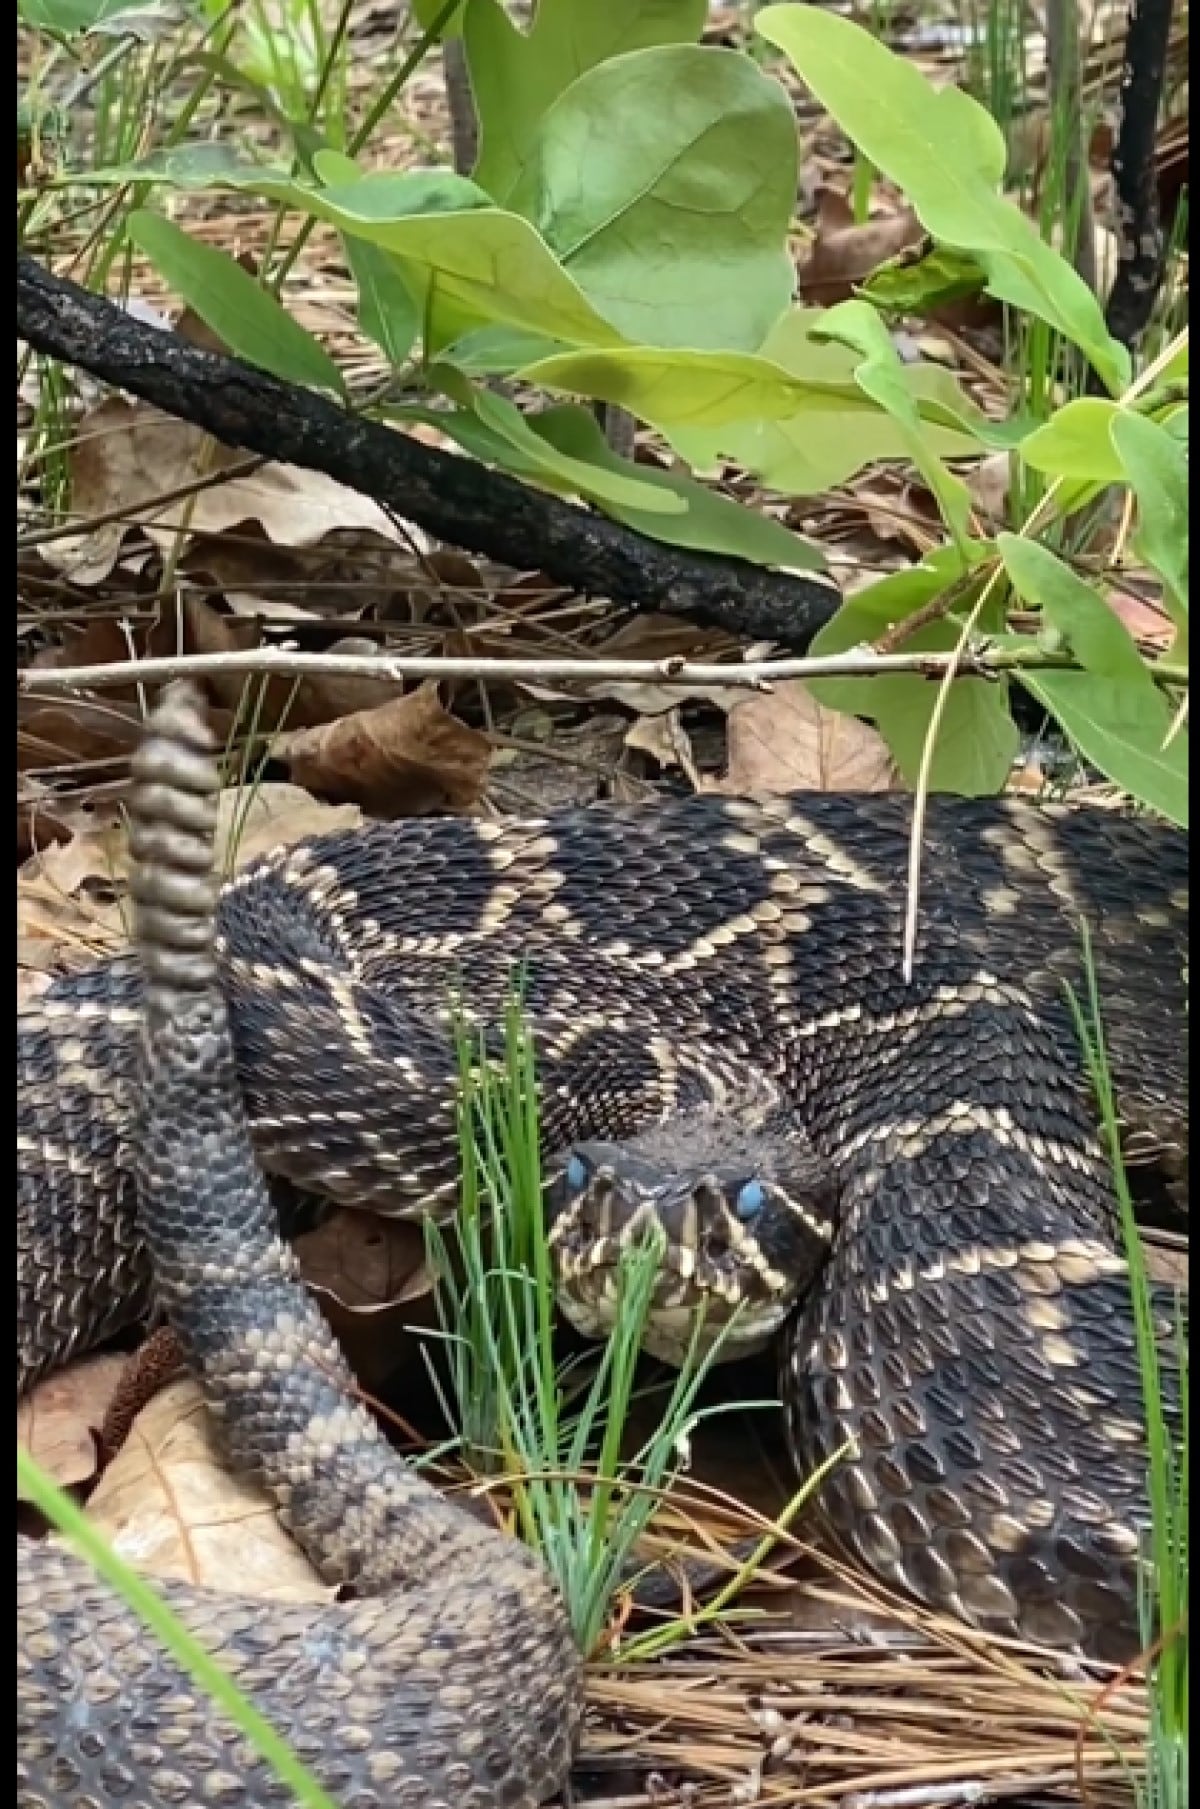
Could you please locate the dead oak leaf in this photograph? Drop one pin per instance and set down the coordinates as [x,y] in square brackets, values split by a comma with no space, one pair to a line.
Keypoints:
[370,1276]
[59,1420]
[846,252]
[126,456]
[783,740]
[409,757]
[168,1505]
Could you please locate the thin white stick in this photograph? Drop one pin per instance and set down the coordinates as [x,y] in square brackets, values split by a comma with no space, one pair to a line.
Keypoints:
[757,675]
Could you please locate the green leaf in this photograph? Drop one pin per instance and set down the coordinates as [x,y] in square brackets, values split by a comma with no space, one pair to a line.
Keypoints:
[428,12]
[1113,711]
[665,180]
[792,413]
[834,430]
[681,388]
[1122,730]
[250,321]
[711,524]
[397,194]
[622,488]
[478,266]
[948,155]
[977,740]
[1076,442]
[193,166]
[1095,635]
[499,351]
[387,312]
[516,76]
[881,376]
[64,18]
[1156,464]
[905,285]
[466,267]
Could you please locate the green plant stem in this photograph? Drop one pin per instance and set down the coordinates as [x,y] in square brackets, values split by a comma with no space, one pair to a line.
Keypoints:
[750,675]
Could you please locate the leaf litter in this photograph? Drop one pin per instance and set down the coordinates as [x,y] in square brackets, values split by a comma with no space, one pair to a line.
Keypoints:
[837,1694]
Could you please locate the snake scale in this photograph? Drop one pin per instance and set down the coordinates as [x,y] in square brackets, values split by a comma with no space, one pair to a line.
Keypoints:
[725,1036]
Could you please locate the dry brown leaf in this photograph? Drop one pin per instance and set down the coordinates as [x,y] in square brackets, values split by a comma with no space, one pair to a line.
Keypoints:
[845,253]
[58,1421]
[126,455]
[169,1506]
[67,895]
[784,740]
[256,818]
[369,1274]
[409,757]
[666,741]
[364,1262]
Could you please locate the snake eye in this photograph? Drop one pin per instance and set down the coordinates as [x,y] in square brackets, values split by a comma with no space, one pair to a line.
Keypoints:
[577,1174]
[750,1199]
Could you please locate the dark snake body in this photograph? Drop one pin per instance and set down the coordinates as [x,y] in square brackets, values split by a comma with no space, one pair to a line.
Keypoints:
[454,1681]
[971,1334]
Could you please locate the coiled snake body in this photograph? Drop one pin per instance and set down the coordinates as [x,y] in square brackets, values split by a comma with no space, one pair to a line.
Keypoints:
[719,978]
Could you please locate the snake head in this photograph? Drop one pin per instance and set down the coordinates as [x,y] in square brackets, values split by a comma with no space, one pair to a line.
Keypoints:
[745,1222]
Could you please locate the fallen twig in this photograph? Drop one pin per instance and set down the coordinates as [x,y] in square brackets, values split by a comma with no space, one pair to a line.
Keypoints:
[755,675]
[455,499]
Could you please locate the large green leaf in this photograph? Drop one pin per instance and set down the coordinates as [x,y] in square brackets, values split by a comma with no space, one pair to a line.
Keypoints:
[792,413]
[977,739]
[250,321]
[480,265]
[1076,442]
[620,486]
[387,310]
[466,263]
[682,388]
[711,523]
[1113,711]
[1124,731]
[516,76]
[1092,631]
[665,180]
[881,376]
[948,155]
[1156,465]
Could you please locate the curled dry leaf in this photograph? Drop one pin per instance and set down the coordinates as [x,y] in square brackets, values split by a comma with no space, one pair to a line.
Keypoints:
[125,456]
[845,253]
[169,1506]
[368,1273]
[59,1421]
[409,757]
[256,818]
[667,742]
[68,898]
[784,740]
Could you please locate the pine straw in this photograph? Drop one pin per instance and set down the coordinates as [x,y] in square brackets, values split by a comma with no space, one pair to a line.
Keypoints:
[796,1718]
[830,1691]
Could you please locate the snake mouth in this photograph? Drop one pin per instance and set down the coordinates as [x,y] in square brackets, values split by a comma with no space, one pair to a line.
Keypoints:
[734,1249]
[729,1308]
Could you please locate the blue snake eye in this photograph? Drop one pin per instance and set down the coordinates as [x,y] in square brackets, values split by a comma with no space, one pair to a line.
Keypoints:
[577,1174]
[751,1198]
